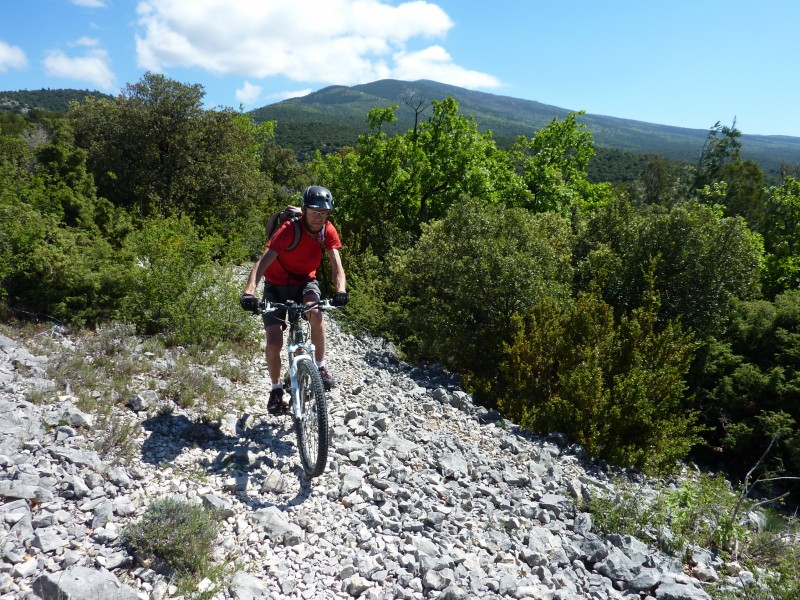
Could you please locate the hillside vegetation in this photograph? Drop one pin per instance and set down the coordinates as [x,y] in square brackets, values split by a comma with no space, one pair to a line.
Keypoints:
[333,117]
[650,322]
[46,99]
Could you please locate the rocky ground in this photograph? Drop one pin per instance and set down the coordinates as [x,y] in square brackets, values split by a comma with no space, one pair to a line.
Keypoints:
[426,495]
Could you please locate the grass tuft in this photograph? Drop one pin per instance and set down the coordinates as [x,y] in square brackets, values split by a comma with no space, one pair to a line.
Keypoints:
[179,533]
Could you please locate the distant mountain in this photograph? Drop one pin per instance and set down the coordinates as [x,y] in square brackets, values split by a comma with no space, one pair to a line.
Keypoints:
[334,116]
[46,99]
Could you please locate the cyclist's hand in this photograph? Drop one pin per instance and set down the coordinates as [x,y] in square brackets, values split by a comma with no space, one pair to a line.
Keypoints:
[340,298]
[249,302]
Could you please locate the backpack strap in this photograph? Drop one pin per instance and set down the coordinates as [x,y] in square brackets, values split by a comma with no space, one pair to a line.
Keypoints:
[296,226]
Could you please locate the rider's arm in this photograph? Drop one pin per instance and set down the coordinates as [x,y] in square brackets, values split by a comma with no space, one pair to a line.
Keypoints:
[337,271]
[258,270]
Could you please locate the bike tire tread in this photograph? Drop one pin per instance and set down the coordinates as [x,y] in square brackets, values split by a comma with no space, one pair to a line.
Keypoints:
[308,377]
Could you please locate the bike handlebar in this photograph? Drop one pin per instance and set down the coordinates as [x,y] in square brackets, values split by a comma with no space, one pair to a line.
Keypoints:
[265,306]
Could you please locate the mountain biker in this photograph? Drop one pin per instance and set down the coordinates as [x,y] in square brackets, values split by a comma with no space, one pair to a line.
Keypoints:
[290,274]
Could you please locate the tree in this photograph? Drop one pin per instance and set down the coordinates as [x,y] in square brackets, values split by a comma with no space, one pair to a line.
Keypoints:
[782,238]
[553,165]
[722,147]
[662,182]
[388,186]
[470,272]
[154,150]
[745,193]
[280,165]
[701,260]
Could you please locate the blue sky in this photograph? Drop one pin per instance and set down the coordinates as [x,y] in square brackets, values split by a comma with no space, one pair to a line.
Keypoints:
[683,63]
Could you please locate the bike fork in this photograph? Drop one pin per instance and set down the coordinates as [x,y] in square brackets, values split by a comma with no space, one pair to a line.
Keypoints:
[307,352]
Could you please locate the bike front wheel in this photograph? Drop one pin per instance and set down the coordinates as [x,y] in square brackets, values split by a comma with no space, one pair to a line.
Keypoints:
[312,421]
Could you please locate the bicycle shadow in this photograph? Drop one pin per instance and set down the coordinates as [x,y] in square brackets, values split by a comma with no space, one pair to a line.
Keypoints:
[248,473]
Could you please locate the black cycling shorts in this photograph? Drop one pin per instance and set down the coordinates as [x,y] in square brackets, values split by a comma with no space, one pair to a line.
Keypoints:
[304,292]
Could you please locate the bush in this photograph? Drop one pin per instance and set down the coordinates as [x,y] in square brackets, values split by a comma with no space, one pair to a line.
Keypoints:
[701,260]
[178,291]
[470,273]
[179,533]
[59,253]
[752,374]
[374,304]
[698,512]
[616,386]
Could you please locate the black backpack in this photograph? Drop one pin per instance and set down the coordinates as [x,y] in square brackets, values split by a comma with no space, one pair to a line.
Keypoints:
[290,213]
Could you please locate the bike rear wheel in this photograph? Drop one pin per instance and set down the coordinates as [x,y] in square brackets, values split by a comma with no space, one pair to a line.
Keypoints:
[312,422]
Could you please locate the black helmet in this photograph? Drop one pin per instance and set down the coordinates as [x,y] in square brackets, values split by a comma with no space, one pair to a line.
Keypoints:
[317,196]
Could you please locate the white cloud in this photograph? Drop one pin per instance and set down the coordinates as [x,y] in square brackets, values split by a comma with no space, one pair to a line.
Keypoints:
[248,93]
[278,96]
[11,57]
[92,68]
[435,63]
[90,3]
[316,41]
[86,41]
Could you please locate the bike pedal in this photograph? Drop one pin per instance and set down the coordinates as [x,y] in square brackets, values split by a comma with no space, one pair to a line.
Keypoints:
[281,409]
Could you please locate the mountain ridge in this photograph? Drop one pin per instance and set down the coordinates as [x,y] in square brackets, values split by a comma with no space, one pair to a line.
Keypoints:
[334,116]
[54,100]
[506,116]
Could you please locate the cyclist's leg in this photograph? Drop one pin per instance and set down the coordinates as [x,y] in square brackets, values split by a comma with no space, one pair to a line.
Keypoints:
[273,352]
[274,325]
[311,293]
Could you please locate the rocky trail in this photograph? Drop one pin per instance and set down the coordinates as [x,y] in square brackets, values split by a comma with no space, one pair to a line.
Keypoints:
[426,495]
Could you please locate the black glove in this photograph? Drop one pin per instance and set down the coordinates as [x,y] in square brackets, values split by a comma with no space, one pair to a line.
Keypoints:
[341,298]
[249,302]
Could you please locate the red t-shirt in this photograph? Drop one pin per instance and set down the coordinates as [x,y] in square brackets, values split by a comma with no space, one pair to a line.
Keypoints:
[293,267]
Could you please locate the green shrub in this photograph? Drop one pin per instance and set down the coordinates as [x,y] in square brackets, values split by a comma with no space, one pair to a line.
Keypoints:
[751,374]
[208,312]
[59,252]
[470,273]
[701,260]
[375,303]
[698,512]
[179,533]
[178,291]
[614,385]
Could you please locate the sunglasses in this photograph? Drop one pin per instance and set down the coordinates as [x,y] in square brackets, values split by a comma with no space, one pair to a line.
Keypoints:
[318,213]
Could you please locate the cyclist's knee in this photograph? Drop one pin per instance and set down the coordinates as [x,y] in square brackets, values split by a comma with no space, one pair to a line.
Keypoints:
[274,337]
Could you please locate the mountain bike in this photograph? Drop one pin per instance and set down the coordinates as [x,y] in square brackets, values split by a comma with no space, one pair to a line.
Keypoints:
[309,406]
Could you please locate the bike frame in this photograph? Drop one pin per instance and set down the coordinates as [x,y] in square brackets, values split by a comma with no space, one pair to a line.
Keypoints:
[309,405]
[298,347]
